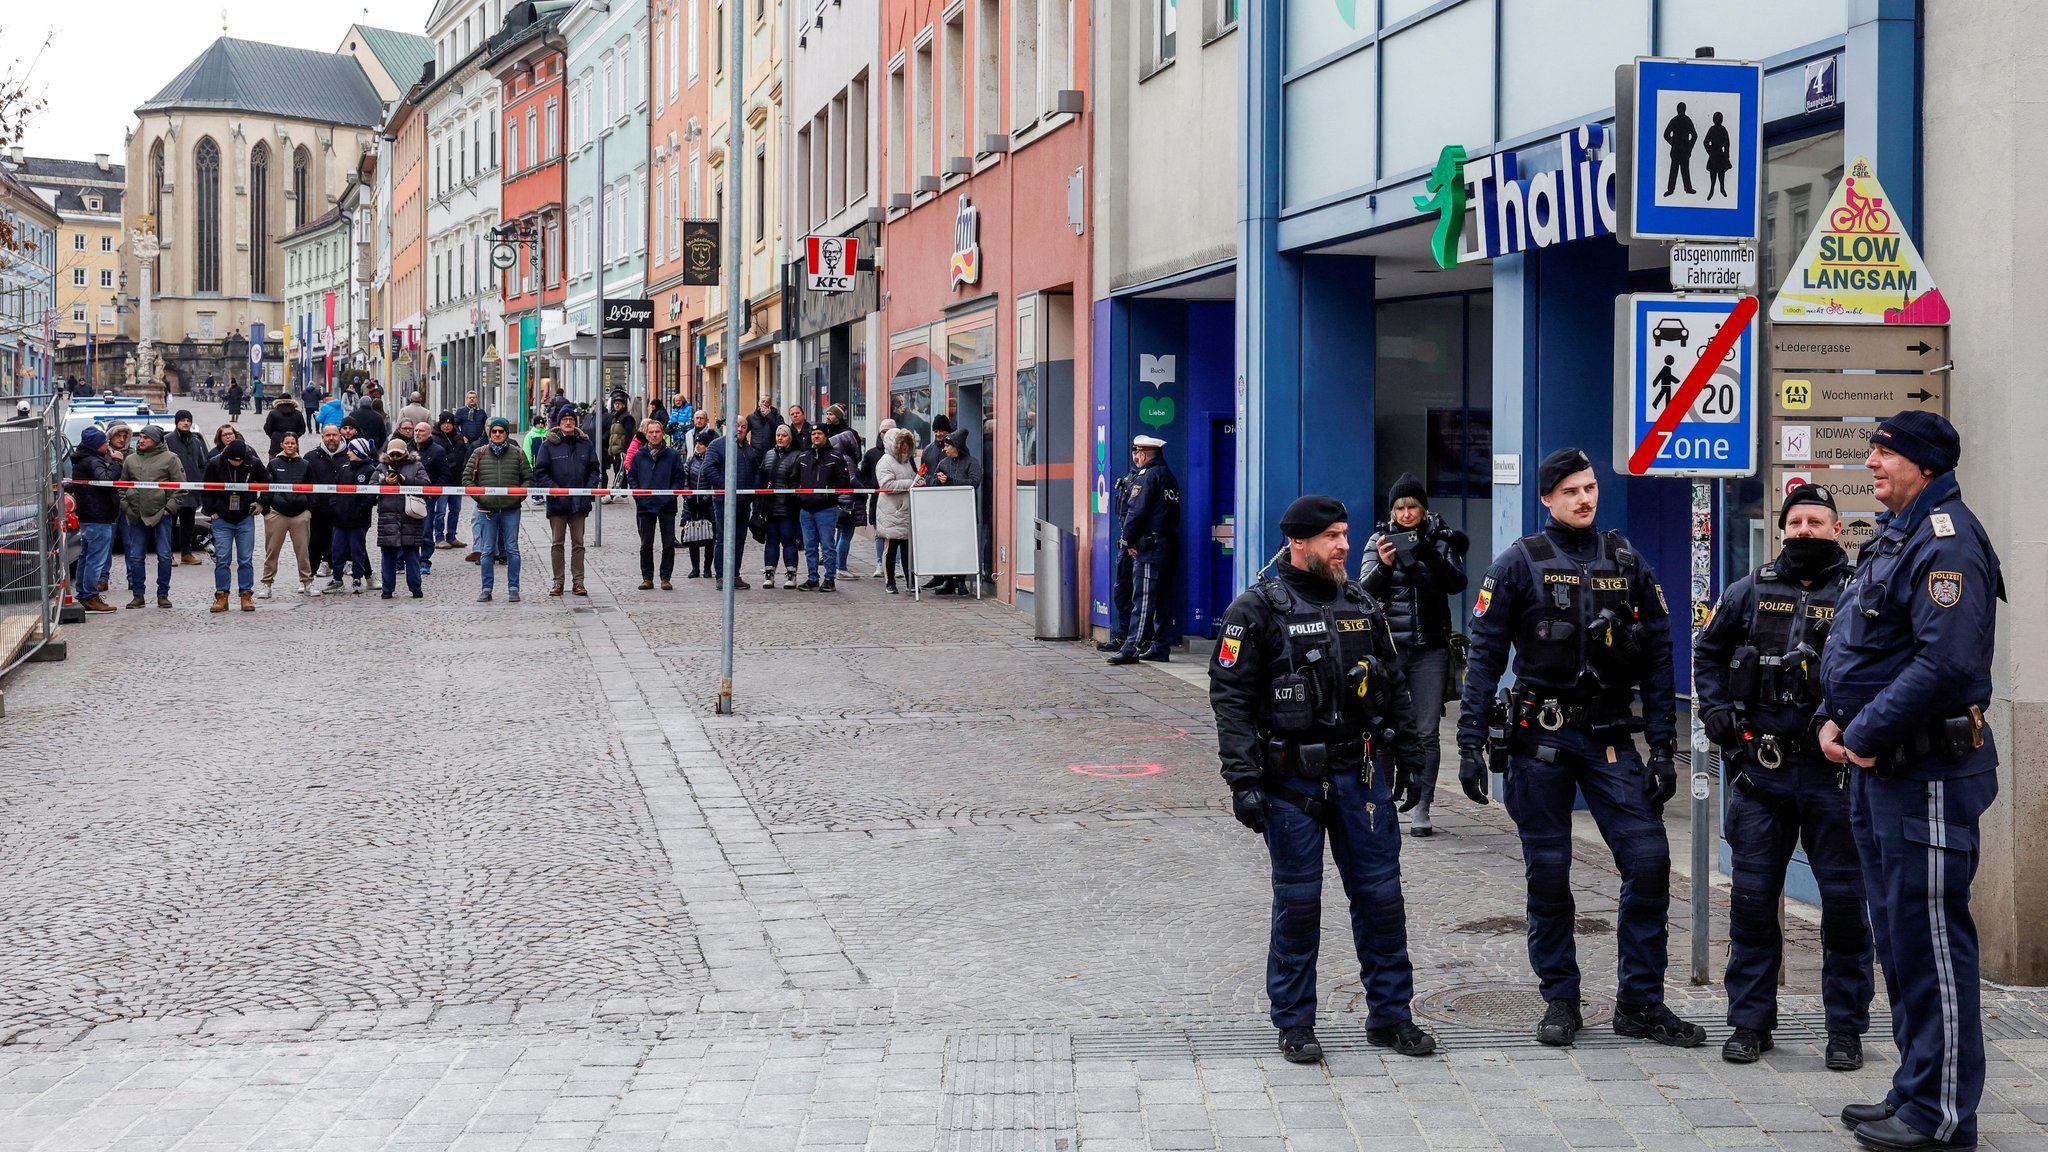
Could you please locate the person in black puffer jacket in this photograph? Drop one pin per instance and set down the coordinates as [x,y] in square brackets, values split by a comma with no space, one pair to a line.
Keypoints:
[445,512]
[287,516]
[785,533]
[350,515]
[1415,584]
[98,510]
[234,523]
[656,467]
[821,467]
[399,535]
[190,449]
[567,459]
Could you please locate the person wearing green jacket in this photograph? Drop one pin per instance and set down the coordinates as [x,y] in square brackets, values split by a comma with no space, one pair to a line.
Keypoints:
[152,514]
[498,463]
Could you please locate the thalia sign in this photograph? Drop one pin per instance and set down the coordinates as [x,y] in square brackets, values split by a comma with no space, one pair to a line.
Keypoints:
[1512,213]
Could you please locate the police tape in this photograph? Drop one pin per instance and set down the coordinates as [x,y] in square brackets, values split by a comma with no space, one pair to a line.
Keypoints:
[447,489]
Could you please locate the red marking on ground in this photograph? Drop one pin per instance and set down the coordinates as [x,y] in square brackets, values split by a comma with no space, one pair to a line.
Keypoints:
[1695,381]
[1118,771]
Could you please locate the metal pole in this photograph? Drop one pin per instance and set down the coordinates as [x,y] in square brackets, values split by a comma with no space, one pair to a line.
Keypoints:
[597,509]
[1702,752]
[735,323]
[49,506]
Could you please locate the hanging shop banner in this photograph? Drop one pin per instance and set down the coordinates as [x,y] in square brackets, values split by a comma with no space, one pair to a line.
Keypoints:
[701,252]
[1859,266]
[828,263]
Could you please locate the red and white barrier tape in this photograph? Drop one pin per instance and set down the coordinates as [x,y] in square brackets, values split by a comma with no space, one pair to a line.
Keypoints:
[449,489]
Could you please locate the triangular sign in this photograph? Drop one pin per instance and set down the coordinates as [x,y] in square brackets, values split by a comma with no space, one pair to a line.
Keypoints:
[1859,266]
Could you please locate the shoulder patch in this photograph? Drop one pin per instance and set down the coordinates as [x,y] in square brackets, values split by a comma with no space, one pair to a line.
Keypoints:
[1226,652]
[1485,600]
[1233,631]
[1945,588]
[1944,524]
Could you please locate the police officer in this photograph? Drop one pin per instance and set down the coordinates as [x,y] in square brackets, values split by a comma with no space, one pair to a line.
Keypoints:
[1305,684]
[1905,680]
[1756,669]
[1120,582]
[1145,538]
[1587,622]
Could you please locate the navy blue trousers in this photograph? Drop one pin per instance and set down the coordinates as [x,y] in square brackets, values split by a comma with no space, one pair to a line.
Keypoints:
[1539,798]
[1365,840]
[1141,626]
[1918,840]
[1772,811]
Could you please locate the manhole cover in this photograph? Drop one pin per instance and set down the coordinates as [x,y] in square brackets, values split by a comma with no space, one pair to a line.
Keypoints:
[1507,1007]
[1515,925]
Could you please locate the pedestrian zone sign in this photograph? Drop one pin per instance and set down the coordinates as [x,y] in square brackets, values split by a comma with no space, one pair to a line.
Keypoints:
[1691,134]
[1859,266]
[1659,338]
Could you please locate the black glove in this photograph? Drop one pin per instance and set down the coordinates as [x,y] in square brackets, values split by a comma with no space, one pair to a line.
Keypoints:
[1473,774]
[1406,795]
[1249,806]
[1724,727]
[1662,783]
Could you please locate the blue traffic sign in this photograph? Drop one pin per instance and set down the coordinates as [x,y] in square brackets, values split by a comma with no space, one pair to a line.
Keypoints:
[1658,339]
[1691,131]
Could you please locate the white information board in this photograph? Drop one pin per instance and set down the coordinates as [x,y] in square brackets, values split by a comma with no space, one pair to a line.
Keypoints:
[945,531]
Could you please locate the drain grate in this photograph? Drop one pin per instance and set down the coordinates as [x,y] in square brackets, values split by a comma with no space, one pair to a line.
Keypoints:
[1010,1092]
[1516,925]
[1510,1008]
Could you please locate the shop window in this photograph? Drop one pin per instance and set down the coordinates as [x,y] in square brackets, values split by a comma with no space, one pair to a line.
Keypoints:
[910,398]
[1433,409]
[1330,104]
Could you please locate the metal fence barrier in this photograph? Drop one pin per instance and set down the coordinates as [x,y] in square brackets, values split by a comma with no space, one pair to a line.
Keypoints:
[33,538]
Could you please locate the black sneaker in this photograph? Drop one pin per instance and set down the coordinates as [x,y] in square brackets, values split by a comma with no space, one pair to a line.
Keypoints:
[1656,1022]
[1405,1038]
[1300,1046]
[809,586]
[1746,1046]
[828,586]
[1845,1052]
[1560,1025]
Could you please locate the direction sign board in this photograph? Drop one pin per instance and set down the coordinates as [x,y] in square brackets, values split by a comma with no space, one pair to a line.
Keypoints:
[1692,149]
[1713,268]
[1831,395]
[1854,489]
[1826,347]
[1804,443]
[1658,339]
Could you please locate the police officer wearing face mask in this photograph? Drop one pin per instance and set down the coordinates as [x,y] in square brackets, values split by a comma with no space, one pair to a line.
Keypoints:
[1757,673]
[1905,681]
[1586,620]
[1306,687]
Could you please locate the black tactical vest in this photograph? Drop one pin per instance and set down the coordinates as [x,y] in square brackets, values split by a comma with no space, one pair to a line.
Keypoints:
[1339,655]
[1580,624]
[1788,626]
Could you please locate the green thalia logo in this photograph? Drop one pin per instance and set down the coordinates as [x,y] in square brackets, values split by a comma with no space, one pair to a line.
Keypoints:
[1446,188]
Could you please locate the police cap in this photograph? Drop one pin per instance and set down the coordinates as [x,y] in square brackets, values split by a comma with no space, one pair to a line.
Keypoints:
[1309,516]
[1806,494]
[1558,465]
[1925,438]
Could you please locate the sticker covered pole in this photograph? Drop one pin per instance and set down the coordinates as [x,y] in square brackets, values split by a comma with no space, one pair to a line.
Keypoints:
[1702,751]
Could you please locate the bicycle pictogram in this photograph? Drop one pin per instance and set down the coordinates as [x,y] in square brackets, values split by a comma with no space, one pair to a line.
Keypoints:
[1860,213]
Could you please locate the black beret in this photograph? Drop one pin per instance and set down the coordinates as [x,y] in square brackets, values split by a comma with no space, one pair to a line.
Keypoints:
[1806,494]
[1558,465]
[1308,516]
[1925,438]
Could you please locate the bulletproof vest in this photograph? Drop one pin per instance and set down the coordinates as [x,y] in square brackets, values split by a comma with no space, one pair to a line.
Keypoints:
[1788,628]
[1333,677]
[1582,624]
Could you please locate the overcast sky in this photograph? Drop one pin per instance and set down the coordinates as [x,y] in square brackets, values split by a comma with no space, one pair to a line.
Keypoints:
[104,58]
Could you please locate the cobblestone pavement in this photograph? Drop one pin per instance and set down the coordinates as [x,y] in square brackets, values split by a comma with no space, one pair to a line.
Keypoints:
[349,873]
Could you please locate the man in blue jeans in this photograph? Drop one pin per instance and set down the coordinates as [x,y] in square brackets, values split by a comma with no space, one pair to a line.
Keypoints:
[498,463]
[98,509]
[820,469]
[152,514]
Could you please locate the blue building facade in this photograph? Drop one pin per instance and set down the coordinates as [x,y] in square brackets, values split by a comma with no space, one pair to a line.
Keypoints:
[1359,358]
[28,292]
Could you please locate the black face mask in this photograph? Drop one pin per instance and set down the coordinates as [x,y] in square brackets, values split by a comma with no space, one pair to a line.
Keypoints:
[1806,557]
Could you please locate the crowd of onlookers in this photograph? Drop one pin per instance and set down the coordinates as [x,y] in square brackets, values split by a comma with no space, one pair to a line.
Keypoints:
[319,438]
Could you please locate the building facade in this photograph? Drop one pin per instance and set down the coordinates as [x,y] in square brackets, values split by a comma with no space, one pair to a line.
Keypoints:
[527,60]
[607,194]
[28,289]
[757,210]
[249,142]
[680,90]
[316,300]
[87,197]
[460,101]
[985,156]
[403,218]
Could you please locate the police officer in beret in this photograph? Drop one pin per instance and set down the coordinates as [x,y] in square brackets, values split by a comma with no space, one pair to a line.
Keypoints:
[1145,536]
[1316,736]
[1905,681]
[1756,669]
[1586,620]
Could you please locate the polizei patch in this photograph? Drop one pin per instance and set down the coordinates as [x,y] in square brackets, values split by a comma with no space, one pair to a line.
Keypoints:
[1945,588]
[1312,628]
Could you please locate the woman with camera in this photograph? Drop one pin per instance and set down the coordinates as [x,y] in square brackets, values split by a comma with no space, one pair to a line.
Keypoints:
[401,518]
[1414,563]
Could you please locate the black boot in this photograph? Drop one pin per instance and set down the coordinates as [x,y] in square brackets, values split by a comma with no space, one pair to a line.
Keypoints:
[1746,1046]
[1656,1022]
[1300,1046]
[1845,1052]
[1561,1023]
[1405,1038]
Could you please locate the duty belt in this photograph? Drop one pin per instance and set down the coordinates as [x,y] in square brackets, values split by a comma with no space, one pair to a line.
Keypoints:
[1531,710]
[1311,760]
[1948,738]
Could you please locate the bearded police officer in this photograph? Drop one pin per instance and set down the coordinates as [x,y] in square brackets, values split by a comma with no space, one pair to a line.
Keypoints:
[1305,684]
[1756,668]
[1587,622]
[1905,680]
[1146,533]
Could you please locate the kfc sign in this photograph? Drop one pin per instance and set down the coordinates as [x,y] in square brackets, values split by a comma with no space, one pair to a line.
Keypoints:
[828,263]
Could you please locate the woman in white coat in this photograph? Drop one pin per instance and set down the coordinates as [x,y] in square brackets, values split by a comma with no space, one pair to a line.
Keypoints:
[895,475]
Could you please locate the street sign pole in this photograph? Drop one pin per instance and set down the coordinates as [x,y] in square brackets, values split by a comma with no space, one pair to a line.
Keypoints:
[735,322]
[1702,750]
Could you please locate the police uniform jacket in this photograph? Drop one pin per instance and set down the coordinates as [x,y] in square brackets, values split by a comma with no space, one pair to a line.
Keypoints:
[1151,511]
[1548,609]
[1261,641]
[1775,613]
[1912,640]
